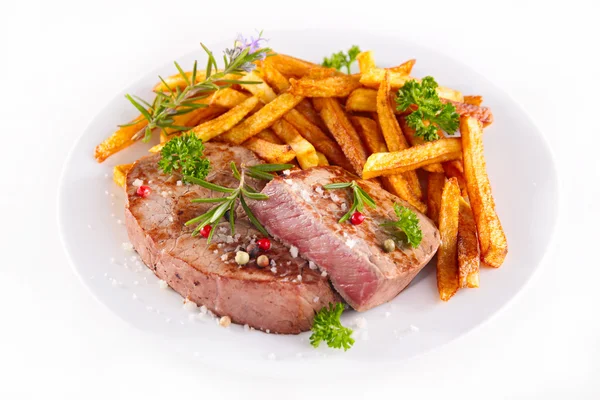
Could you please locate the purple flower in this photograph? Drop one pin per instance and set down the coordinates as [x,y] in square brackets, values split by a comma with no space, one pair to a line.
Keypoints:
[252,44]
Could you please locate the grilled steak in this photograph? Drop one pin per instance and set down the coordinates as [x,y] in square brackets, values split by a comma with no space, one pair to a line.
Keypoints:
[301,213]
[281,298]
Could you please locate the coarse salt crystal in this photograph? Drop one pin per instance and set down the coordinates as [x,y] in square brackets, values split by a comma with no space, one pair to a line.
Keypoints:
[203,310]
[306,196]
[273,263]
[294,251]
[224,257]
[138,183]
[350,243]
[324,273]
[360,322]
[133,258]
[286,172]
[163,193]
[162,284]
[189,305]
[268,331]
[274,270]
[312,265]
[288,181]
[344,206]
[319,190]
[299,277]
[246,327]
[215,251]
[179,183]
[335,197]
[170,218]
[316,299]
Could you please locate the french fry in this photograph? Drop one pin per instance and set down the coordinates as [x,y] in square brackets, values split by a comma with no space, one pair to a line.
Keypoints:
[492,239]
[344,133]
[394,138]
[335,86]
[322,73]
[467,247]
[205,114]
[225,122]
[270,152]
[320,140]
[290,66]
[396,162]
[447,263]
[323,162]
[366,61]
[120,174]
[414,140]
[375,76]
[405,68]
[274,78]
[454,169]
[260,90]
[474,100]
[262,119]
[269,136]
[119,140]
[483,114]
[306,108]
[305,152]
[435,186]
[227,98]
[373,139]
[362,100]
[163,137]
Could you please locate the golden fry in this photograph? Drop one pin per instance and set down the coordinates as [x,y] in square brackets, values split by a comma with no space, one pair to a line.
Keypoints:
[322,73]
[454,169]
[120,174]
[394,138]
[399,186]
[435,186]
[274,78]
[305,152]
[225,122]
[320,140]
[119,140]
[323,162]
[306,108]
[492,239]
[269,136]
[227,98]
[290,66]
[414,140]
[447,264]
[335,86]
[262,119]
[366,61]
[362,100]
[410,159]
[468,247]
[405,68]
[474,100]
[270,152]
[260,90]
[342,130]
[483,114]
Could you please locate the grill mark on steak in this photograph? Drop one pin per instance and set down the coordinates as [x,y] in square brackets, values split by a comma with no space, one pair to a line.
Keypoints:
[352,255]
[249,295]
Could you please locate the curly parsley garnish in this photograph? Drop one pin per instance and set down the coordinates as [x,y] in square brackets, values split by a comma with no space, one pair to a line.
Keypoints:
[229,202]
[406,228]
[184,154]
[340,59]
[430,108]
[360,198]
[328,328]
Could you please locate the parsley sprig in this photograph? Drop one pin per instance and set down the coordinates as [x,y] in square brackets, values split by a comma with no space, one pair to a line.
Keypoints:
[185,155]
[360,198]
[237,61]
[406,228]
[429,108]
[328,328]
[229,202]
[341,59]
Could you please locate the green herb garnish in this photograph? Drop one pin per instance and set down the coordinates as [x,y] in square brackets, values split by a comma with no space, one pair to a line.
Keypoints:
[328,328]
[185,155]
[430,108]
[237,61]
[406,228]
[341,59]
[229,202]
[360,198]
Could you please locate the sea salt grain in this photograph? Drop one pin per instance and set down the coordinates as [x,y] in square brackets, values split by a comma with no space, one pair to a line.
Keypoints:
[312,265]
[323,273]
[288,181]
[138,183]
[319,190]
[274,270]
[189,305]
[203,310]
[162,284]
[360,322]
[299,277]
[179,183]
[350,243]
[286,172]
[294,251]
[316,299]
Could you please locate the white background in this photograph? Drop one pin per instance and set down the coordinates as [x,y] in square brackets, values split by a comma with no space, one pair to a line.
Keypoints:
[64,60]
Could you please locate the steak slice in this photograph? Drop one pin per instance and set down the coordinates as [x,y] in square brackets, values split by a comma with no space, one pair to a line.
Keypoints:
[271,299]
[301,213]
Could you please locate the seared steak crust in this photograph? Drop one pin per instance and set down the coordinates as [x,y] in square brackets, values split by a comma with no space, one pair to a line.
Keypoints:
[301,213]
[281,298]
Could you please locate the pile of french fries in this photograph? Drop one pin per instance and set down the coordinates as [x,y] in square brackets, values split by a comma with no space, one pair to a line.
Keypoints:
[300,112]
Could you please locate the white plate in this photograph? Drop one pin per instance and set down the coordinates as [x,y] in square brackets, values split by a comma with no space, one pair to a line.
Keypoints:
[519,164]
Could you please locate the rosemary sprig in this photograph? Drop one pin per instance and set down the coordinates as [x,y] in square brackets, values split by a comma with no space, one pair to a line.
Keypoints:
[237,61]
[229,202]
[360,198]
